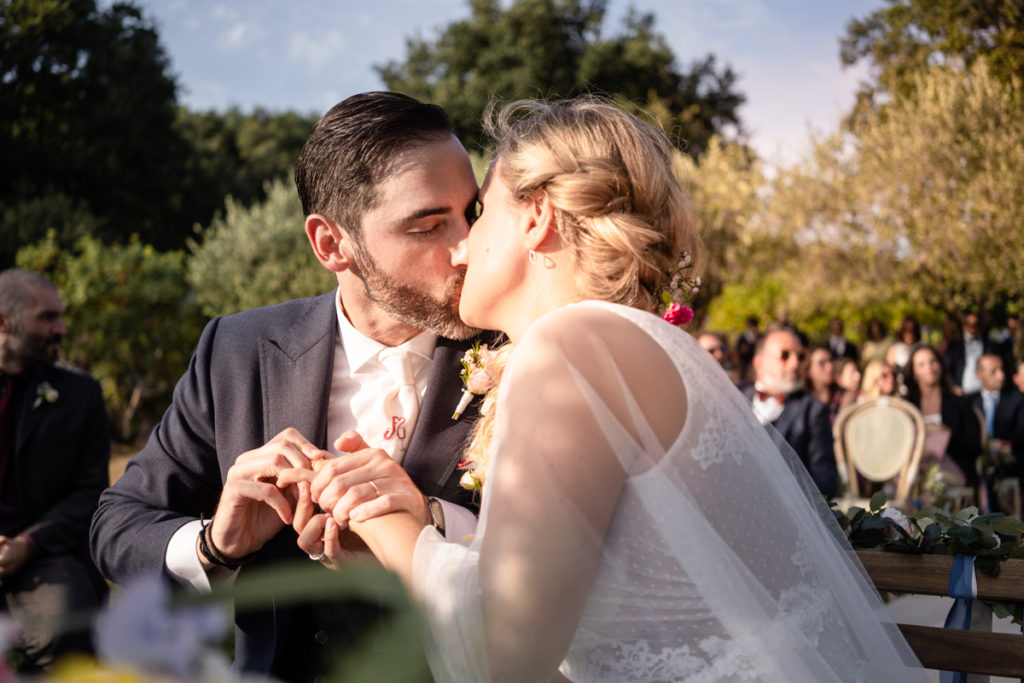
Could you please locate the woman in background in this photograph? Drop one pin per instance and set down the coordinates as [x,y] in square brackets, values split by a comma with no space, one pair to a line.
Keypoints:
[929,389]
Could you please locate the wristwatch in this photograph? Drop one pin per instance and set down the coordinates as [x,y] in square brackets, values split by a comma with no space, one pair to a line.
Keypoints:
[436,514]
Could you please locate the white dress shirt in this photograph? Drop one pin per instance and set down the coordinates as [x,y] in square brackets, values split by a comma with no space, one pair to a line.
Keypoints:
[358,381]
[768,409]
[973,348]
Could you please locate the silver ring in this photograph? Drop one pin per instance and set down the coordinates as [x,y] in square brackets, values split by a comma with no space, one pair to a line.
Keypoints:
[319,557]
[375,488]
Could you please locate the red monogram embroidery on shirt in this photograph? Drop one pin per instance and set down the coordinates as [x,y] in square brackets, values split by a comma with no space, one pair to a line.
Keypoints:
[397,429]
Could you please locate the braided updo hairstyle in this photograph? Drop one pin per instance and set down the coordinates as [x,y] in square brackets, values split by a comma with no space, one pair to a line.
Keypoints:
[619,209]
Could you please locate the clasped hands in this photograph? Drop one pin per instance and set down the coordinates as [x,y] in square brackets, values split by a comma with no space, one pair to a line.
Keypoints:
[289,480]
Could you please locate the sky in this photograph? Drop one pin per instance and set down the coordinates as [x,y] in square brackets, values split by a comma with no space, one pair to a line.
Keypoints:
[307,55]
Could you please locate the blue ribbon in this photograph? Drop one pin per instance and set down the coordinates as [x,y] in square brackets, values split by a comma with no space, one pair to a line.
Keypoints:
[962,586]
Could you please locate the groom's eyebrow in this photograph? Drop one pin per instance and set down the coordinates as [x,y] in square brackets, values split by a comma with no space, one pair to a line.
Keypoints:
[424,213]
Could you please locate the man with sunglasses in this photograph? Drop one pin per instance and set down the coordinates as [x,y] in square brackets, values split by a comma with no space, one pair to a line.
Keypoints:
[778,399]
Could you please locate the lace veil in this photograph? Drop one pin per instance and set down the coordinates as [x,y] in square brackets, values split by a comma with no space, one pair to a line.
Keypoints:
[618,542]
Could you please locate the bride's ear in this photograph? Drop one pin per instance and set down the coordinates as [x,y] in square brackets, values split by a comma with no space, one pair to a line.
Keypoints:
[329,242]
[541,229]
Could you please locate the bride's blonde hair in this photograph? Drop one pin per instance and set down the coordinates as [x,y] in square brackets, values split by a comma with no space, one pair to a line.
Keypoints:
[619,209]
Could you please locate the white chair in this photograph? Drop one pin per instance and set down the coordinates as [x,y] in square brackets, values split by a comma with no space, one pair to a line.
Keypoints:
[882,440]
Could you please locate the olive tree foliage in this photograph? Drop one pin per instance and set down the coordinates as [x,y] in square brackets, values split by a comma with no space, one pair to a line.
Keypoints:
[904,38]
[920,212]
[256,256]
[939,187]
[555,48]
[131,322]
[726,185]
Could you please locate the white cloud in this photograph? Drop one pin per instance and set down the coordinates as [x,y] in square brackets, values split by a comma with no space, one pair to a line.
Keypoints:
[235,37]
[208,95]
[223,12]
[315,51]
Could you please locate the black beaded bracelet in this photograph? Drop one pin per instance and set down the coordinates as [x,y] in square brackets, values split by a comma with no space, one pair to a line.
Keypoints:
[213,555]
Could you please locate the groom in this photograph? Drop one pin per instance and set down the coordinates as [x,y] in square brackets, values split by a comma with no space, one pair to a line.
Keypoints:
[388,193]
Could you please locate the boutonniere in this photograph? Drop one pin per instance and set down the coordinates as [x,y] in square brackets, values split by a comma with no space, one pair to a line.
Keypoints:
[45,393]
[678,290]
[475,377]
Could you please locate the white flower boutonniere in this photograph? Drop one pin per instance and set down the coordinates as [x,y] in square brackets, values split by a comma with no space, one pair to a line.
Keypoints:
[475,376]
[45,393]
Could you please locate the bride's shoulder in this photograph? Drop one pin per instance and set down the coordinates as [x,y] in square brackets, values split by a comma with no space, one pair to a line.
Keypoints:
[587,319]
[589,330]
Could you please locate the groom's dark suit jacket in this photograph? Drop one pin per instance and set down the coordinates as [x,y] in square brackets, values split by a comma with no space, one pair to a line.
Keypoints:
[805,426]
[253,375]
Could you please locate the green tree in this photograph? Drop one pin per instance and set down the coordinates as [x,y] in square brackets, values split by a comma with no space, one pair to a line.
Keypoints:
[939,183]
[906,37]
[918,213]
[234,153]
[531,48]
[726,184]
[130,321]
[87,108]
[256,256]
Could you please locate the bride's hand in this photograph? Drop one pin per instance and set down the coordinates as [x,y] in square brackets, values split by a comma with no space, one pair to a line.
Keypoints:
[364,484]
[320,534]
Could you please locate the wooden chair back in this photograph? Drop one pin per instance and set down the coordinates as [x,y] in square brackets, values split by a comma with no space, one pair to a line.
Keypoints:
[880,439]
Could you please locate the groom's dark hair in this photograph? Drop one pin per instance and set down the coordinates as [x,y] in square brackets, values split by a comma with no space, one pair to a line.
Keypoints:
[352,148]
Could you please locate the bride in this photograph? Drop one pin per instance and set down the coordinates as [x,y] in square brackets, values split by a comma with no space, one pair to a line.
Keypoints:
[637,523]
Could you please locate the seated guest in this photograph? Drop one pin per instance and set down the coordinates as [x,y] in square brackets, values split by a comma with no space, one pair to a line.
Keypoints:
[819,377]
[879,379]
[876,342]
[54,454]
[838,344]
[1003,411]
[778,399]
[714,343]
[745,348]
[962,354]
[929,389]
[848,380]
[909,334]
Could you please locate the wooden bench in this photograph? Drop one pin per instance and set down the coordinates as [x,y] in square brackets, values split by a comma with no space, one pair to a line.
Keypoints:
[978,652]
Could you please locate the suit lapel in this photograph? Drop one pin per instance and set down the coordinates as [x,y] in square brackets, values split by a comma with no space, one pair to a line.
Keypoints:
[27,417]
[790,412]
[438,441]
[296,369]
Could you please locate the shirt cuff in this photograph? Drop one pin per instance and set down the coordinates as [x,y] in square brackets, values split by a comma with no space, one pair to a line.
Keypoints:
[183,561]
[458,521]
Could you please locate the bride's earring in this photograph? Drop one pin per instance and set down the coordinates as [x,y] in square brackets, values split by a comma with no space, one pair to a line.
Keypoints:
[532,256]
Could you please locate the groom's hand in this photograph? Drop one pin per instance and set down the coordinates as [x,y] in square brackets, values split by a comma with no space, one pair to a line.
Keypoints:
[252,508]
[365,483]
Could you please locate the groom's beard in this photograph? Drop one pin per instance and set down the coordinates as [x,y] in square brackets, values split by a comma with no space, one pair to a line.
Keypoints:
[414,306]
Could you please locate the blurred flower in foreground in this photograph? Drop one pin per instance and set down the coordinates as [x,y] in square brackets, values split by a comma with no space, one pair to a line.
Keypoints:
[140,630]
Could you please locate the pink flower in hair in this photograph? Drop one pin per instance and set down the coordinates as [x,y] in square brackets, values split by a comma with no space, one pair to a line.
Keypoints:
[677,314]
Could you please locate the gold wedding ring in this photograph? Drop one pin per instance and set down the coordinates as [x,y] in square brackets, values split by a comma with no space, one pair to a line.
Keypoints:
[375,488]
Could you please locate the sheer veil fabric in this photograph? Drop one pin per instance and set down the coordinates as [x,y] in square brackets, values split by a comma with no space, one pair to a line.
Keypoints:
[619,543]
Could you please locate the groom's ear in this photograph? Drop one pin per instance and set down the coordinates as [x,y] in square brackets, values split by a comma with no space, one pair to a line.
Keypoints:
[327,239]
[541,228]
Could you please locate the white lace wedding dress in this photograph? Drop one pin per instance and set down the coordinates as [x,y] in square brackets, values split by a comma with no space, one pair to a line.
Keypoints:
[617,548]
